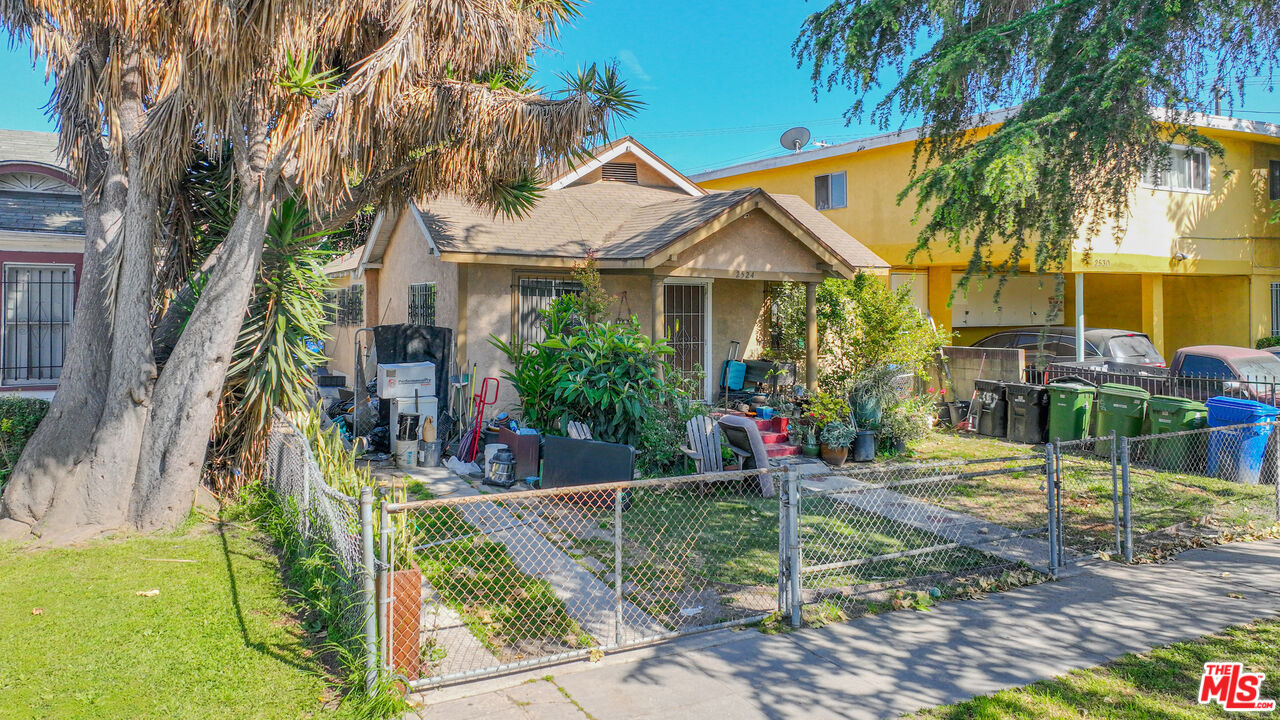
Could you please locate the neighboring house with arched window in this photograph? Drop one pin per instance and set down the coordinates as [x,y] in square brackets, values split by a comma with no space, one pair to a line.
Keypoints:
[41,246]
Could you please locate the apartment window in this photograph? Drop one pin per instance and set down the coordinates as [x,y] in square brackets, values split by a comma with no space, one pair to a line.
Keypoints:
[422,303]
[829,191]
[1275,309]
[1187,170]
[39,301]
[1273,180]
[535,295]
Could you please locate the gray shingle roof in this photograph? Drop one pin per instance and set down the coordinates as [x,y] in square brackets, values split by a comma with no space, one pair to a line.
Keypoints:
[28,146]
[53,212]
[618,221]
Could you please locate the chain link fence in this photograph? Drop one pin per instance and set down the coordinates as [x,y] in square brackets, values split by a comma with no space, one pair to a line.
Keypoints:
[866,533]
[1198,483]
[328,524]
[1086,498]
[492,583]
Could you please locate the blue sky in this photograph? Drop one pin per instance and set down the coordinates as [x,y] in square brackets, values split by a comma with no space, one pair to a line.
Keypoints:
[718,78]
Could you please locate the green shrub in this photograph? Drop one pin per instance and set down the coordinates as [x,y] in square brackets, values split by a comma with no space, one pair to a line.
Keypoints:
[609,375]
[1268,342]
[19,417]
[827,408]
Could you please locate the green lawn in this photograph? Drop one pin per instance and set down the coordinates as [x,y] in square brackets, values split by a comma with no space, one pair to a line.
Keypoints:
[1159,685]
[218,640]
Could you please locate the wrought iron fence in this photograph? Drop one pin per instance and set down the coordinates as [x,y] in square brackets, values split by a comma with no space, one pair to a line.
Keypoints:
[1158,381]
[865,533]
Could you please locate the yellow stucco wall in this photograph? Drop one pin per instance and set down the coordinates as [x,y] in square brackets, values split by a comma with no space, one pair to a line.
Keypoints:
[1224,236]
[407,260]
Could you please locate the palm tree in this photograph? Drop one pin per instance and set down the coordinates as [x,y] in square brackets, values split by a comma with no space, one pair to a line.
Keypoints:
[337,102]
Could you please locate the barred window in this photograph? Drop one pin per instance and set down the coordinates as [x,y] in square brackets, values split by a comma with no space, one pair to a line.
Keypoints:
[331,307]
[350,305]
[422,303]
[38,304]
[536,294]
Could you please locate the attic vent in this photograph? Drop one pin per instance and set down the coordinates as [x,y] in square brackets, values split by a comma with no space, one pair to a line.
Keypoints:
[619,172]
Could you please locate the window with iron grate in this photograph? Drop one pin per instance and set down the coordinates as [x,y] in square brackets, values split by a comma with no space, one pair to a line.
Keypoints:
[422,303]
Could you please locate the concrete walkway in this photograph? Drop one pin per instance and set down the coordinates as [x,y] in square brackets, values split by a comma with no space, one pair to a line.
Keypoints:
[886,665]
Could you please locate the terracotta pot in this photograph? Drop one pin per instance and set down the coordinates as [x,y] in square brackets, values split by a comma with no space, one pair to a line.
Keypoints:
[835,455]
[405,627]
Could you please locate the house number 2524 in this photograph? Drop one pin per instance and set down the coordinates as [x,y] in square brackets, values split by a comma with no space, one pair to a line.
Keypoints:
[744,274]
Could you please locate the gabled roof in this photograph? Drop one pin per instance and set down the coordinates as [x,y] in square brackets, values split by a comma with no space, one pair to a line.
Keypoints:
[27,146]
[563,174]
[36,194]
[624,225]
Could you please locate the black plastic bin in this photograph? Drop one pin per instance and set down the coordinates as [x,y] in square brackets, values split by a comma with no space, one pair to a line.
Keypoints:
[993,408]
[1028,413]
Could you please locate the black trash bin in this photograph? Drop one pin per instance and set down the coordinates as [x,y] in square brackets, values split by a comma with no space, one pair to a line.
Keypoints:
[1028,412]
[993,408]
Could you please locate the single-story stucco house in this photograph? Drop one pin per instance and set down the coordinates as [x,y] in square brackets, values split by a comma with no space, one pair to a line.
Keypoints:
[691,265]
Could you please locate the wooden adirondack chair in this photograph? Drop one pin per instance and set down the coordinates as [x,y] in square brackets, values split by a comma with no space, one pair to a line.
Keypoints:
[704,444]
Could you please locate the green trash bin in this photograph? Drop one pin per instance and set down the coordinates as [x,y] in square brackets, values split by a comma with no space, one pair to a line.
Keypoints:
[1070,407]
[1121,408]
[1167,414]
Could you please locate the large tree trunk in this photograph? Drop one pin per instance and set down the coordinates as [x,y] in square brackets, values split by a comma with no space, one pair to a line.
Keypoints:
[187,393]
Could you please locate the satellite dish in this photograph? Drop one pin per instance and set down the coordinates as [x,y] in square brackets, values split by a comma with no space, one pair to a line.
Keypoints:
[795,138]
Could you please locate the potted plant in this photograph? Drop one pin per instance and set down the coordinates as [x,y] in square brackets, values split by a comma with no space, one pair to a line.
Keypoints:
[810,447]
[836,437]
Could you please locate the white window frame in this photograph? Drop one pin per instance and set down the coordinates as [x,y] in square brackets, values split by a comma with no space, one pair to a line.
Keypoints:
[830,203]
[1275,309]
[1208,172]
[4,319]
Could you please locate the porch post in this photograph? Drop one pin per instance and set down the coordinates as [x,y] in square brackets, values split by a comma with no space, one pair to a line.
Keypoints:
[811,336]
[657,297]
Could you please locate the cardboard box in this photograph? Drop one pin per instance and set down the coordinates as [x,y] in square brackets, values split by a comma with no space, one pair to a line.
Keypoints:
[400,380]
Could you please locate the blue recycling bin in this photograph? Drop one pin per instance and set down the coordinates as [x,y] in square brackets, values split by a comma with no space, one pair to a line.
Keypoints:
[1237,454]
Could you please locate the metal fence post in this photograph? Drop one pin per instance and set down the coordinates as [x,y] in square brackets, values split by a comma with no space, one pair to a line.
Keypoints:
[784,561]
[617,565]
[793,544]
[368,599]
[1115,489]
[384,584]
[1275,480]
[1050,486]
[1126,494]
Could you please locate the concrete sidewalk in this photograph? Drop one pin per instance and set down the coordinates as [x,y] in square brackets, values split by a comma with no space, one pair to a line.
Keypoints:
[886,665]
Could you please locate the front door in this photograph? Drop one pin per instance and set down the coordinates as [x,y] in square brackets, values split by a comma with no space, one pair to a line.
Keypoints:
[687,312]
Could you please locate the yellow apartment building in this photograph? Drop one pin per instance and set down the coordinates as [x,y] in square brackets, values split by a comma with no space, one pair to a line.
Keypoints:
[1199,262]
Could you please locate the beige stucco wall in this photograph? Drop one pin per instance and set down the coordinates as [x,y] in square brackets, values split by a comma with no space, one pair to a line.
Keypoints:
[645,175]
[749,247]
[407,260]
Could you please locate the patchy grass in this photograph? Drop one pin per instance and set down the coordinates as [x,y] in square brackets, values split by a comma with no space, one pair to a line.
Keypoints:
[218,639]
[1159,685]
[511,613]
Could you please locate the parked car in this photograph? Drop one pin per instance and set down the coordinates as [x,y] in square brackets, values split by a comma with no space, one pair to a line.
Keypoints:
[1240,371]
[1060,345]
[1198,372]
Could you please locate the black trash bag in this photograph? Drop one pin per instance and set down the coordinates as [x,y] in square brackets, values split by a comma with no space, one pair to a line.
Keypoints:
[379,439]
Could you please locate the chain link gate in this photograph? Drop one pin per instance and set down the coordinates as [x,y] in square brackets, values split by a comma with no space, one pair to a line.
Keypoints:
[489,583]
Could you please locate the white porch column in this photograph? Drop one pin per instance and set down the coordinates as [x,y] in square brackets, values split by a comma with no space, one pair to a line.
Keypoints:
[811,336]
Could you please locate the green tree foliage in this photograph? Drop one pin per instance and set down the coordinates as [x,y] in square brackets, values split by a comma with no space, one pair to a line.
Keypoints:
[863,327]
[1081,78]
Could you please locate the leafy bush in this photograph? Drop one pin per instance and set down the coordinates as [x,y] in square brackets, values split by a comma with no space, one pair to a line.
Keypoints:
[827,408]
[1268,342]
[910,420]
[19,417]
[863,326]
[609,375]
